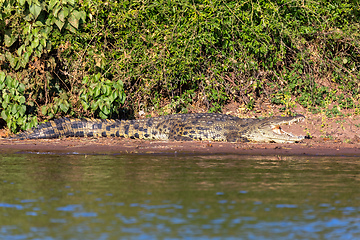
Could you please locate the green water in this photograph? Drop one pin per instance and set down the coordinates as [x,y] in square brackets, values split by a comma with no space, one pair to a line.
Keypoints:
[45,196]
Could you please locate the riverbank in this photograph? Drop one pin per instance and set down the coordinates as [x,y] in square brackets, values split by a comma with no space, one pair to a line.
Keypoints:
[329,136]
[129,146]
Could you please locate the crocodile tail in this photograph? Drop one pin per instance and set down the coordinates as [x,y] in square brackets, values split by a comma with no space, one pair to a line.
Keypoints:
[65,127]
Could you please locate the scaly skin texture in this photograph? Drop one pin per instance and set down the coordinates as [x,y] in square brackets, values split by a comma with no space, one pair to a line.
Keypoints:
[181,127]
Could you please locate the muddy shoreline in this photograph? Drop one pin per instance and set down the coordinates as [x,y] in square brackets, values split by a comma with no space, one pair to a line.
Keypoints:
[308,147]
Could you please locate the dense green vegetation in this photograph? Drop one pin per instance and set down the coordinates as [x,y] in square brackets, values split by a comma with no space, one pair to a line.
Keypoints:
[109,59]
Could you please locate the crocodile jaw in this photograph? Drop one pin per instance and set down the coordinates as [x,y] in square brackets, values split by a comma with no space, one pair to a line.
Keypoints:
[285,137]
[269,130]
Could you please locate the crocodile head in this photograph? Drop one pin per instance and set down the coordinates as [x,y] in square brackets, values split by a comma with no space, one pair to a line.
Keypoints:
[269,130]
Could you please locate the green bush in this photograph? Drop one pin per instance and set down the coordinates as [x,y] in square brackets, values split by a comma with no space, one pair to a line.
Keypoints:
[173,54]
[34,79]
[14,105]
[178,52]
[102,96]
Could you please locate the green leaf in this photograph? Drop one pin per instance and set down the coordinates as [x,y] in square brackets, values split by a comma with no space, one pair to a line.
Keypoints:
[74,19]
[90,92]
[3,115]
[64,106]
[35,10]
[39,51]
[21,88]
[52,4]
[9,39]
[102,115]
[56,10]
[38,24]
[4,105]
[108,90]
[44,110]
[121,84]
[12,91]
[97,91]
[122,99]
[20,50]
[103,89]
[43,42]
[22,110]
[14,109]
[55,108]
[6,99]
[59,24]
[85,80]
[46,32]
[115,94]
[94,105]
[21,121]
[35,43]
[85,105]
[82,15]
[25,58]
[70,28]
[15,84]
[63,14]
[9,124]
[33,122]
[13,62]
[97,77]
[2,77]
[105,109]
[112,98]
[22,99]
[84,96]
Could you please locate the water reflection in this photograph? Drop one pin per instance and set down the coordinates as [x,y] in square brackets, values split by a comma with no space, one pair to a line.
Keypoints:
[197,197]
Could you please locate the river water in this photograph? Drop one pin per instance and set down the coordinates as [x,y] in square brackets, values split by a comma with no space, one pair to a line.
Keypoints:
[49,196]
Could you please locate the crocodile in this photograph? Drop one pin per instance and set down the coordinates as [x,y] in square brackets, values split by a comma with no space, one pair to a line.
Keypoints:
[180,127]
